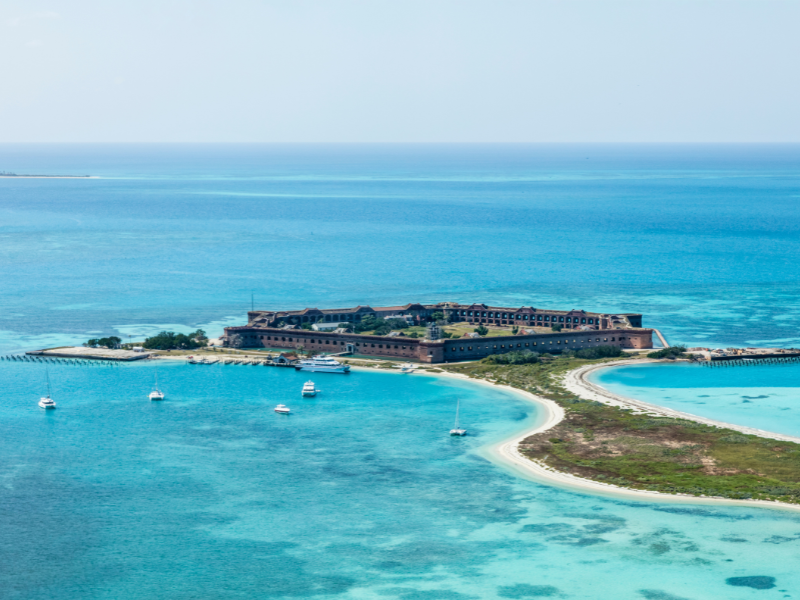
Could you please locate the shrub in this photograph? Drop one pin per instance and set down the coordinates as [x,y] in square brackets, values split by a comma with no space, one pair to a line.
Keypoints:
[523,357]
[109,342]
[599,352]
[371,323]
[481,330]
[169,340]
[557,327]
[671,352]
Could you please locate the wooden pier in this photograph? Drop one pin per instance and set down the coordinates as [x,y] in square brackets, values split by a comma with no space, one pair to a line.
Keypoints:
[752,360]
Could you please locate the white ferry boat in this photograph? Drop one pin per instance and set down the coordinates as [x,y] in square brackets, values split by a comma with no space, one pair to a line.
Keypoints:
[322,364]
[309,389]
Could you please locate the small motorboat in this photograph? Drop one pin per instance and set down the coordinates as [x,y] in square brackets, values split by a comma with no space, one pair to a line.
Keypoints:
[283,409]
[309,389]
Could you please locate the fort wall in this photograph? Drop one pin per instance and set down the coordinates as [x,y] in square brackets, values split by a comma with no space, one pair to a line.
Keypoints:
[427,351]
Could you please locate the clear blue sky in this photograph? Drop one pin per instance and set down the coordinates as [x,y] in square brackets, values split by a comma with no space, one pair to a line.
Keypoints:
[400,71]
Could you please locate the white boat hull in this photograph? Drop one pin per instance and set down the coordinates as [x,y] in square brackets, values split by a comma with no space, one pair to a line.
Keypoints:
[47,405]
[458,432]
[156,397]
[323,369]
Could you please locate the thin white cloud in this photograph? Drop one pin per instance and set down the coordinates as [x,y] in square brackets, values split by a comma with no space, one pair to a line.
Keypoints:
[42,14]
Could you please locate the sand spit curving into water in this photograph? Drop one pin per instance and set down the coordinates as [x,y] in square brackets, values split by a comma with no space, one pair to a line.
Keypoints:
[507,452]
[577,382]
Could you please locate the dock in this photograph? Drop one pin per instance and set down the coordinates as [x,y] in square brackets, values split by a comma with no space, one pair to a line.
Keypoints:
[90,353]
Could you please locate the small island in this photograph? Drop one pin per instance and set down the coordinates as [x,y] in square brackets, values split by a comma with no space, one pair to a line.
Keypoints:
[640,450]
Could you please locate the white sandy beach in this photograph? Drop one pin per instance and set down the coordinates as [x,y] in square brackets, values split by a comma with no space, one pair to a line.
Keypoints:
[507,454]
[577,382]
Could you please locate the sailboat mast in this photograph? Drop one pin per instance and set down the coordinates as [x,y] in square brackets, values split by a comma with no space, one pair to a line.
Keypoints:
[47,375]
[458,405]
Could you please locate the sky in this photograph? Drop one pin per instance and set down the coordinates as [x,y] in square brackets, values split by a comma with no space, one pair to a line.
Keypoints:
[400,71]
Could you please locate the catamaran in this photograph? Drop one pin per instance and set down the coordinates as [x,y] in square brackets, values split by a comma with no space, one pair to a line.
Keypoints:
[309,389]
[156,394]
[457,430]
[322,364]
[47,401]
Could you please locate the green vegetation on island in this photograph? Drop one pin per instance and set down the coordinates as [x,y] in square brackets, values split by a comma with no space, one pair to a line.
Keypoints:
[110,342]
[644,452]
[671,352]
[169,340]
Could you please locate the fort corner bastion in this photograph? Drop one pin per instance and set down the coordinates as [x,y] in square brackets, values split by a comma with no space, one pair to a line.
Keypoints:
[533,326]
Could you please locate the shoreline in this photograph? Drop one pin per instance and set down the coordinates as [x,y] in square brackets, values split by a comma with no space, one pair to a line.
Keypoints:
[506,452]
[577,382]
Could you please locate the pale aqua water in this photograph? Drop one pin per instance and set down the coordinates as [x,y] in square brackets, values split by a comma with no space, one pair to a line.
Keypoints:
[359,494]
[761,396]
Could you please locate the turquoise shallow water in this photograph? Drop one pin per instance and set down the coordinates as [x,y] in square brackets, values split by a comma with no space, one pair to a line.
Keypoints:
[359,494]
[762,396]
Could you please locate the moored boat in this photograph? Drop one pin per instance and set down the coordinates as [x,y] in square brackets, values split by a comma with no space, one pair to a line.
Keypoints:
[322,364]
[456,430]
[309,389]
[283,409]
[156,394]
[47,402]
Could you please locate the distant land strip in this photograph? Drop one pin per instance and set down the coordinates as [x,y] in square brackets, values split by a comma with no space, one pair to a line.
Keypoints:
[4,175]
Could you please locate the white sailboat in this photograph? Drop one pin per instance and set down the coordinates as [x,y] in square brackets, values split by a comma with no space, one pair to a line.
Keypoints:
[156,394]
[47,402]
[457,430]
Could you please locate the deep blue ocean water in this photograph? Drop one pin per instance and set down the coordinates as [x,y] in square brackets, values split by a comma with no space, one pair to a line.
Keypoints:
[361,494]
[702,240]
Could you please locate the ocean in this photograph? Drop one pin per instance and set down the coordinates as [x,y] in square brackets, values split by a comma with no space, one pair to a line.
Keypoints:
[700,239]
[360,493]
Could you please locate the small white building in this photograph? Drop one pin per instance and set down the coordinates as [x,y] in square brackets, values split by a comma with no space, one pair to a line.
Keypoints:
[325,326]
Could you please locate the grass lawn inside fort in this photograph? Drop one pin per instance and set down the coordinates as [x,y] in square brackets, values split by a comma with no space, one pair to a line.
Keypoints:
[615,446]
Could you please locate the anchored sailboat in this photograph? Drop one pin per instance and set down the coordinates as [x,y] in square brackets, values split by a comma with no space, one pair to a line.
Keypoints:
[156,394]
[457,430]
[47,401]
